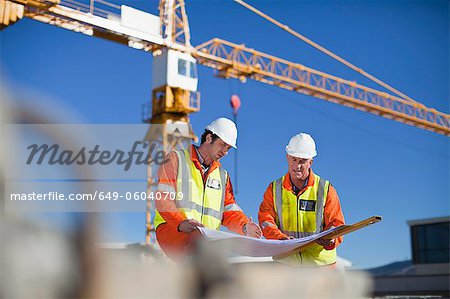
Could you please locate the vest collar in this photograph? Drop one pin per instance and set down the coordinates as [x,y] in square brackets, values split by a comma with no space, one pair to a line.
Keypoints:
[287,184]
[195,157]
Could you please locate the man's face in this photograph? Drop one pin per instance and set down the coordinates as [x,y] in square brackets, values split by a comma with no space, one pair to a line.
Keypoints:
[298,167]
[217,148]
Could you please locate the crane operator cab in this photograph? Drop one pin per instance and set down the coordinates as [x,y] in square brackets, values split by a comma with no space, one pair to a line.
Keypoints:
[174,83]
[175,69]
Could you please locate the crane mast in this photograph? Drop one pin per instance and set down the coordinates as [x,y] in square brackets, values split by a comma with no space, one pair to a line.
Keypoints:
[174,94]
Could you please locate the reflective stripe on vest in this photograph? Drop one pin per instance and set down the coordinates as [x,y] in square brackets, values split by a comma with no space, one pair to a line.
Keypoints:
[202,202]
[279,202]
[301,216]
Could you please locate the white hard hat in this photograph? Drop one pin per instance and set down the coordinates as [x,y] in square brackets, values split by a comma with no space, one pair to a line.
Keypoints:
[302,145]
[225,129]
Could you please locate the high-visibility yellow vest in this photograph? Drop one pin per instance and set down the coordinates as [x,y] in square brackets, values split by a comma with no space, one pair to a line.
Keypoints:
[302,216]
[199,201]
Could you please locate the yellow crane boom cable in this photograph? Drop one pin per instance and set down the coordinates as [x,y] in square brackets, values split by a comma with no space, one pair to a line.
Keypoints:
[322,49]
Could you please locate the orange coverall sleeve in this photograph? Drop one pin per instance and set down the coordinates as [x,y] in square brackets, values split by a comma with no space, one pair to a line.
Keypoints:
[332,215]
[233,217]
[167,181]
[267,217]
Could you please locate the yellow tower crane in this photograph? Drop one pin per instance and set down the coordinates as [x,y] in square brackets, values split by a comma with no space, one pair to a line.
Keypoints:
[175,95]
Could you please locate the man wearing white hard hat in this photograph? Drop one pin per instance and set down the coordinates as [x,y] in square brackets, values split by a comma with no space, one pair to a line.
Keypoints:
[206,191]
[300,204]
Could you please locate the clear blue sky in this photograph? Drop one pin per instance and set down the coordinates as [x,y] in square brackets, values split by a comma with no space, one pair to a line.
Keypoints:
[378,166]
